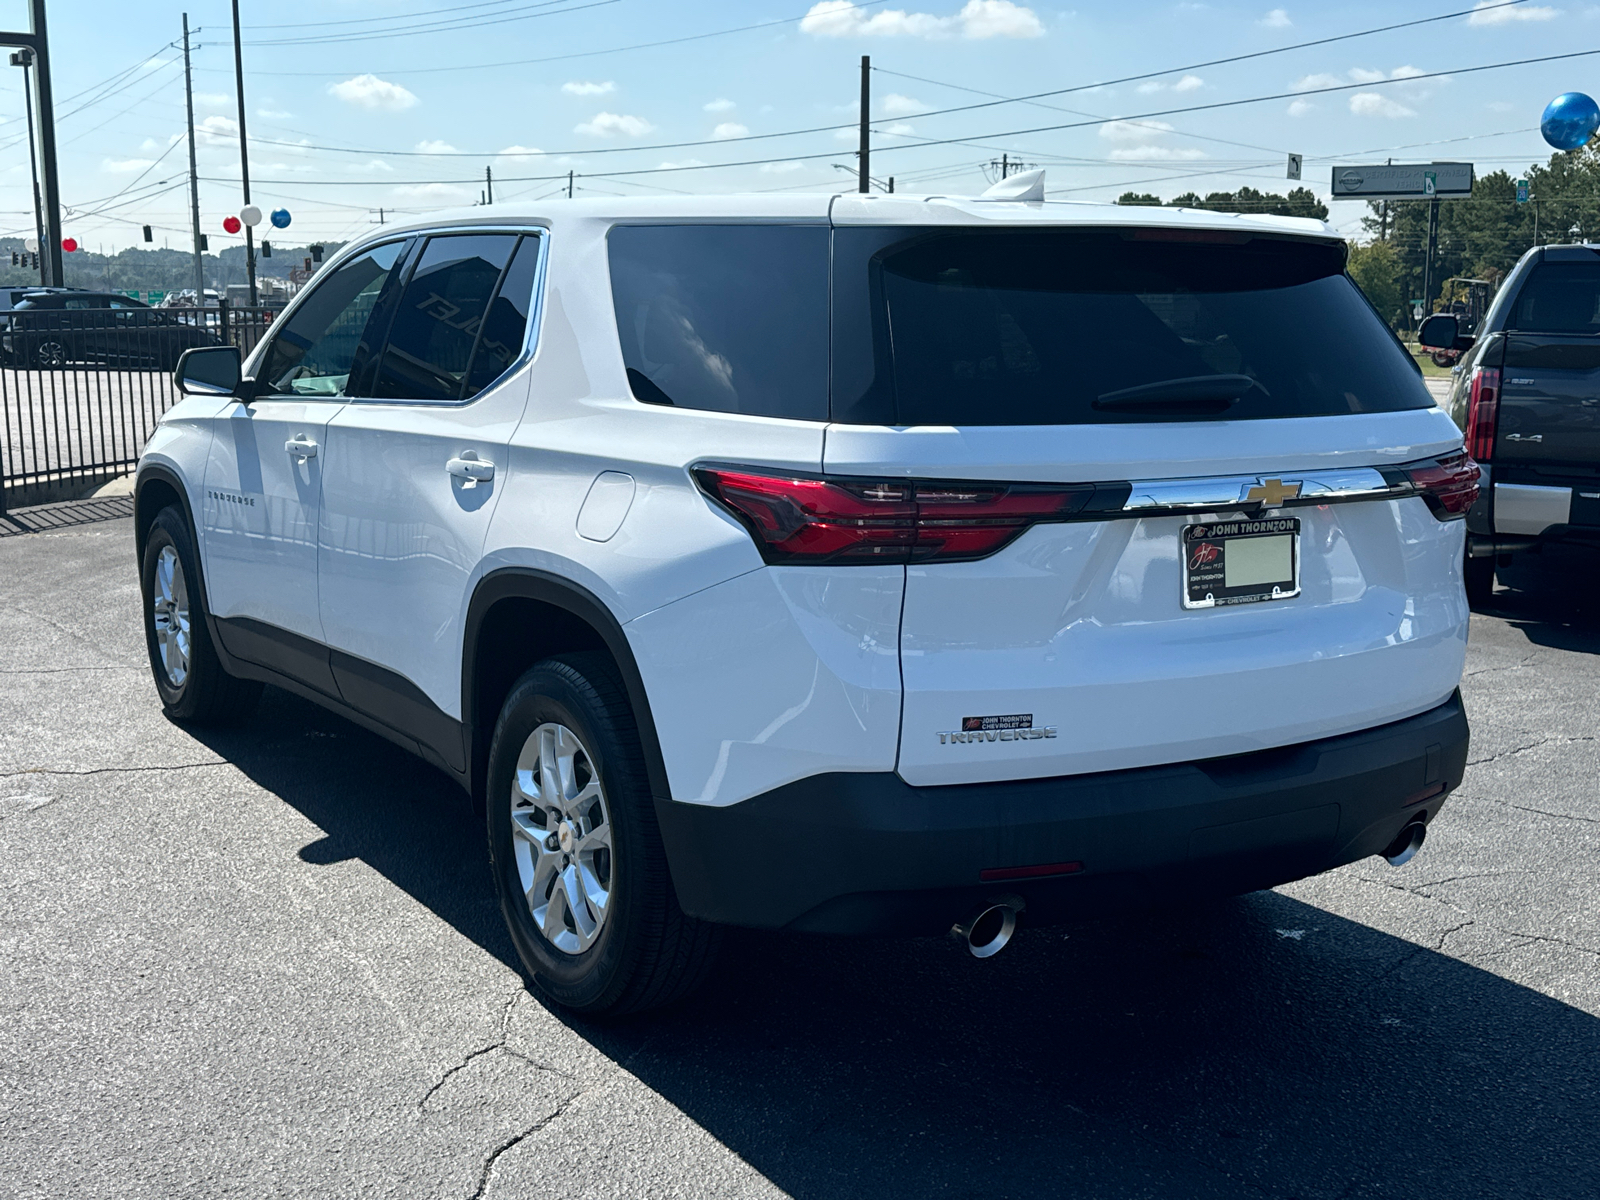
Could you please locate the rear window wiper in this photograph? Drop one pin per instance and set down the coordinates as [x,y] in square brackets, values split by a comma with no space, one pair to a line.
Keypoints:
[1195,395]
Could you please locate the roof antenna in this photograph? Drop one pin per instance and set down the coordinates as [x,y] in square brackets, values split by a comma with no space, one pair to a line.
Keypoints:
[1029,185]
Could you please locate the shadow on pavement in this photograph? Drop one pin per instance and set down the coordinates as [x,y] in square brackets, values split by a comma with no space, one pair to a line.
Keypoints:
[1553,597]
[1260,1046]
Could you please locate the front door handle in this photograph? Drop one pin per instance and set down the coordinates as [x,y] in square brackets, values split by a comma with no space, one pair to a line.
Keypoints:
[301,447]
[470,467]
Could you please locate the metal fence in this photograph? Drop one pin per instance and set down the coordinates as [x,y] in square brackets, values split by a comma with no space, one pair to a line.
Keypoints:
[81,389]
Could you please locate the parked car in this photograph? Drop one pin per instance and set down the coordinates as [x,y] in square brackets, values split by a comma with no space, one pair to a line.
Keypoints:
[55,327]
[850,564]
[1527,397]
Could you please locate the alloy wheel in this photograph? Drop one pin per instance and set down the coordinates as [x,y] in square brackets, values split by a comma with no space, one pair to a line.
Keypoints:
[169,609]
[561,833]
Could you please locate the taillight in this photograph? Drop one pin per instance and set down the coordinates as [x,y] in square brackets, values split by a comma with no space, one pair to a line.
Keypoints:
[1449,485]
[798,520]
[1483,409]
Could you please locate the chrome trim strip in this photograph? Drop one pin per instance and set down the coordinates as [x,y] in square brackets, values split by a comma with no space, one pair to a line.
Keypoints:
[1228,492]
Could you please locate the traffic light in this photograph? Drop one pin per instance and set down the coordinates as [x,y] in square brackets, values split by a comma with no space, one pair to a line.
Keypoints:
[316,253]
[16,259]
[205,243]
[148,235]
[266,249]
[35,263]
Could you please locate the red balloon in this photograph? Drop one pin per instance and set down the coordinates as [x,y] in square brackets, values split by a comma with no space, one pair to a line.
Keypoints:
[69,244]
[231,224]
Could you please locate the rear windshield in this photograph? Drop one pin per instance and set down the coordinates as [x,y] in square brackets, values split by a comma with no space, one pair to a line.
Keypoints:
[1101,326]
[1559,297]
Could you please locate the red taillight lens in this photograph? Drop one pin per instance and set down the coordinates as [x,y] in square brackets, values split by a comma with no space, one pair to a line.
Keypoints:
[1483,409]
[1449,485]
[852,521]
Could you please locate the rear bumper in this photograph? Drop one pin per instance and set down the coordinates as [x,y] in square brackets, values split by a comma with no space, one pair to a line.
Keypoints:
[869,853]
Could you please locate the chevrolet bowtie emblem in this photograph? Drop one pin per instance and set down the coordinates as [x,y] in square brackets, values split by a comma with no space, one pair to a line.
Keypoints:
[1273,492]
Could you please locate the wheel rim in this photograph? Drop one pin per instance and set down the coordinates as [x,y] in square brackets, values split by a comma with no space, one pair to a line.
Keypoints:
[169,609]
[561,830]
[52,354]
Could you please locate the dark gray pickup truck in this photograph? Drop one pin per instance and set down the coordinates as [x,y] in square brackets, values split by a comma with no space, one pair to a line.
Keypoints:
[1527,396]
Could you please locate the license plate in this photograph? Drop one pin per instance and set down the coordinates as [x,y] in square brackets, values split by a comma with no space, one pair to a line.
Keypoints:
[1241,562]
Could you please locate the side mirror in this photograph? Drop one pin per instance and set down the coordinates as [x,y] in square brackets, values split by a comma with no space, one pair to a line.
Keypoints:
[209,371]
[1439,332]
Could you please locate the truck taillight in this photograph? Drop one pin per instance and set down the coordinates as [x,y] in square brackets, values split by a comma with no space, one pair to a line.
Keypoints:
[799,520]
[1449,485]
[1483,409]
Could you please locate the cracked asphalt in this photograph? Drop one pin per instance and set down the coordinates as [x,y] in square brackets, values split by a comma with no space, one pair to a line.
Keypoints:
[268,963]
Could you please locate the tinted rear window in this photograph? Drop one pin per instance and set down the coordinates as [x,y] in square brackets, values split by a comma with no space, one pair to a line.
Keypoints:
[1559,298]
[730,318]
[1087,326]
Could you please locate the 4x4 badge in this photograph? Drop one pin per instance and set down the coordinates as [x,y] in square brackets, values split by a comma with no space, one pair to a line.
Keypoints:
[1273,492]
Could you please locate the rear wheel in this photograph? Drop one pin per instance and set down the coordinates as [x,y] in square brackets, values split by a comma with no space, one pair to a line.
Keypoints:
[575,850]
[1480,580]
[189,676]
[50,353]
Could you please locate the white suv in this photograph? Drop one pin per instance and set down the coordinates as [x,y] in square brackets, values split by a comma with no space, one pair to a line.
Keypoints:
[835,563]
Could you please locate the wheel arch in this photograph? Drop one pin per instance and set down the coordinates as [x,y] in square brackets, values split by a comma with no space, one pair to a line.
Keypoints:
[159,487]
[520,615]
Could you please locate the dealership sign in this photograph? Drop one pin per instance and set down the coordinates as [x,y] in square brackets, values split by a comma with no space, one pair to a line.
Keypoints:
[1417,181]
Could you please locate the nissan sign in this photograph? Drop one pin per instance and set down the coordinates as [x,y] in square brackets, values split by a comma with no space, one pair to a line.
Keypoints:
[1414,181]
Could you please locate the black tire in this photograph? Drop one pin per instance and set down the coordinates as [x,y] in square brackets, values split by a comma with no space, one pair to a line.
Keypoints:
[205,694]
[1479,573]
[646,953]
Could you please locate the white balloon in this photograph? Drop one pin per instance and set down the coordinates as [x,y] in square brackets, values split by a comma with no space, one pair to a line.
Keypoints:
[250,215]
[33,245]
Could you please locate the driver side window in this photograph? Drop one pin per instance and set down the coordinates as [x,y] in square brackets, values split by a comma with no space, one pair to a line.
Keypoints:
[333,334]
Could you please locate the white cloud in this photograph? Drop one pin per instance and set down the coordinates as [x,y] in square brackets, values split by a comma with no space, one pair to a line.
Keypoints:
[1322,80]
[215,100]
[720,106]
[121,166]
[430,191]
[609,124]
[896,105]
[1366,75]
[1189,83]
[580,87]
[730,129]
[217,130]
[1371,104]
[368,91]
[520,153]
[1276,19]
[780,168]
[849,133]
[1299,108]
[673,166]
[1134,131]
[978,19]
[374,166]
[434,146]
[1406,72]
[1501,16]
[273,114]
[1155,154]
[899,129]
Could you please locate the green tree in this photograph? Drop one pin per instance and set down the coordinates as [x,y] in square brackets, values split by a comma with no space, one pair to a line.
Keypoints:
[1376,270]
[1301,202]
[1144,198]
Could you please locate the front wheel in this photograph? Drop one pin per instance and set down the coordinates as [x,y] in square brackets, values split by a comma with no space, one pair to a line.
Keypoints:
[189,677]
[575,850]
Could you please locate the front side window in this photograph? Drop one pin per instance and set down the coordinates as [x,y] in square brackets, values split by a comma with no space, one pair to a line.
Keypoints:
[316,351]
[728,318]
[447,314]
[1559,297]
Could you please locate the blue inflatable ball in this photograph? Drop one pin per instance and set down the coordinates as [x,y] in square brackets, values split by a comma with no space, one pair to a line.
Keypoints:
[280,216]
[1570,120]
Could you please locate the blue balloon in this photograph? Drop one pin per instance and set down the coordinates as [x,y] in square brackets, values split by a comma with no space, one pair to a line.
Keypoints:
[1570,120]
[280,216]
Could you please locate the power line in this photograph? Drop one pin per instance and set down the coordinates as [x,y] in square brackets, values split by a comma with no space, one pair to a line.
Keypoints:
[434,27]
[427,12]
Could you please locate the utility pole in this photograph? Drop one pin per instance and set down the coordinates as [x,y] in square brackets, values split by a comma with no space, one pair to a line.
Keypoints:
[865,152]
[24,58]
[244,157]
[1005,165]
[194,174]
[488,185]
[569,185]
[1433,246]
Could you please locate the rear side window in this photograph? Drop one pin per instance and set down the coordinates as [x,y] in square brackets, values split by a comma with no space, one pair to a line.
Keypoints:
[1559,297]
[441,315]
[728,318]
[1102,326]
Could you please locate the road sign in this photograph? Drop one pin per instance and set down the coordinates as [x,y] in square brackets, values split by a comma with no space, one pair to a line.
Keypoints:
[1419,181]
[1522,191]
[1294,166]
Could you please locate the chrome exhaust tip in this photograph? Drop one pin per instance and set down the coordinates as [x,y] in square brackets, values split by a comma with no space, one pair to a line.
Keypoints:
[988,930]
[1404,848]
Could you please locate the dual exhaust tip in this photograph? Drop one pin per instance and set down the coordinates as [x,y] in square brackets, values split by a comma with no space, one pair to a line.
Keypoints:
[989,930]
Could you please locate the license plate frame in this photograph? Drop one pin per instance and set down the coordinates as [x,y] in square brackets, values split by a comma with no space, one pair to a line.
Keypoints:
[1205,546]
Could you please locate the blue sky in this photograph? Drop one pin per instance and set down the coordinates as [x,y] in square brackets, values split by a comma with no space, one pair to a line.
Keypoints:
[422,113]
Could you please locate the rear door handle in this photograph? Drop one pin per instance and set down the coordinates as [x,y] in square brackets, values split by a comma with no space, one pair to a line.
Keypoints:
[301,447]
[470,467]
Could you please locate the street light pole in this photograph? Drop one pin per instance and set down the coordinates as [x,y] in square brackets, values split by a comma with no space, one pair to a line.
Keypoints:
[244,156]
[50,248]
[194,174]
[24,58]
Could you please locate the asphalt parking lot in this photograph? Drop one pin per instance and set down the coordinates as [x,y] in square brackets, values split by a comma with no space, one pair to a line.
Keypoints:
[268,962]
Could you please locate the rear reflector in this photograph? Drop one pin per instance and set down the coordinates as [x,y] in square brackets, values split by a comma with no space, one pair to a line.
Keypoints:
[995,874]
[799,520]
[1483,409]
[1449,485]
